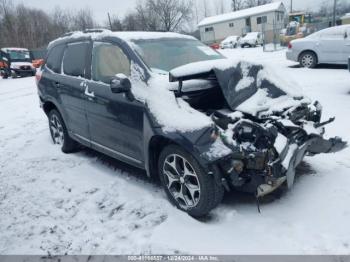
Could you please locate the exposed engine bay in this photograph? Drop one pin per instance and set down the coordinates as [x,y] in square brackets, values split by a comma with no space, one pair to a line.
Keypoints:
[262,131]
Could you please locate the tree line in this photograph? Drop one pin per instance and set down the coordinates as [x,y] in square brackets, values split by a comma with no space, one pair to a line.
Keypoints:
[23,26]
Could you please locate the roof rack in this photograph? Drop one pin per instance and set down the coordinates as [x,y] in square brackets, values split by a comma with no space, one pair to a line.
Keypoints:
[96,30]
[87,31]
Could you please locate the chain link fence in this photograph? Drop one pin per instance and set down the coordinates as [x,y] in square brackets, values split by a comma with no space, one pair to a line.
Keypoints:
[277,36]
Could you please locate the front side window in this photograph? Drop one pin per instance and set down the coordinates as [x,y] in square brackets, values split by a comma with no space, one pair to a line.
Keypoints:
[54,59]
[74,59]
[107,61]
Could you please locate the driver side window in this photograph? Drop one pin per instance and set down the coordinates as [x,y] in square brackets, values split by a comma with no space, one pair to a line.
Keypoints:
[107,61]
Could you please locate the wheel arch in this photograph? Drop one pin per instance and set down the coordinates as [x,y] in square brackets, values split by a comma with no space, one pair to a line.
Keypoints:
[155,147]
[48,106]
[308,51]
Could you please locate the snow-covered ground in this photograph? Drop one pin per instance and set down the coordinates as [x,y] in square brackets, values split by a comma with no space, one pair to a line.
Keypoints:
[87,203]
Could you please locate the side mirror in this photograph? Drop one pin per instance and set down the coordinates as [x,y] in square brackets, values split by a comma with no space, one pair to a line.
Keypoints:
[120,84]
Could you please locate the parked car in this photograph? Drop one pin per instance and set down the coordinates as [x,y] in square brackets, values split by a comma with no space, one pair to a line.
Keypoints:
[18,62]
[252,39]
[328,46]
[230,42]
[166,103]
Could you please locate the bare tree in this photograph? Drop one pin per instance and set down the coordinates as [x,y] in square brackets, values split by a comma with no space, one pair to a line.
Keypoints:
[83,19]
[116,24]
[130,22]
[253,3]
[219,7]
[171,13]
[237,5]
[206,9]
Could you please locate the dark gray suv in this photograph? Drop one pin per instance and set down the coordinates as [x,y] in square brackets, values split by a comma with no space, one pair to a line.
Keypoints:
[168,104]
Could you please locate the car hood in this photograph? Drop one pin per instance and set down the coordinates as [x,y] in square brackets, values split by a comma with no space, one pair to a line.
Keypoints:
[247,87]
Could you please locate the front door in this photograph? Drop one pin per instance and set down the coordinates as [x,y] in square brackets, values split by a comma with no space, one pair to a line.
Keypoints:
[347,45]
[71,89]
[331,46]
[115,122]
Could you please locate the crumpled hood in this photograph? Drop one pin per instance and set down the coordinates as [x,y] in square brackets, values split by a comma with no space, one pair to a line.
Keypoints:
[247,87]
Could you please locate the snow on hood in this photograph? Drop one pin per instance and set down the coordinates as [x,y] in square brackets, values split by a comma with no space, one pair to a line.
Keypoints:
[248,87]
[250,36]
[173,114]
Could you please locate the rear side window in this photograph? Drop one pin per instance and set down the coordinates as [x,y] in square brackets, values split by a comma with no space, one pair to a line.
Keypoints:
[54,59]
[107,61]
[333,33]
[74,59]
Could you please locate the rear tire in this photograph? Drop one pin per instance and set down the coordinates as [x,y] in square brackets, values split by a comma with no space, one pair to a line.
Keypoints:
[308,60]
[59,133]
[186,183]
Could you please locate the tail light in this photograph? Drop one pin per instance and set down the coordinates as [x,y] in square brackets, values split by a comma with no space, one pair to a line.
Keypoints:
[38,76]
[290,46]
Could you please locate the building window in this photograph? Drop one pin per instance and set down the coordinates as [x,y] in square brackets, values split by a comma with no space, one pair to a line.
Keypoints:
[231,25]
[261,19]
[209,29]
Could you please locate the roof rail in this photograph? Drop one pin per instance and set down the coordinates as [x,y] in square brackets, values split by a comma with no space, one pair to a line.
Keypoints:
[87,31]
[96,30]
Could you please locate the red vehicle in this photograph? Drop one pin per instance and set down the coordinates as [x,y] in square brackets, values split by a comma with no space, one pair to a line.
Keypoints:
[215,46]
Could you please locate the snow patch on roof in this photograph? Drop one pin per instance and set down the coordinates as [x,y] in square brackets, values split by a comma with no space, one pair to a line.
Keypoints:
[126,36]
[240,14]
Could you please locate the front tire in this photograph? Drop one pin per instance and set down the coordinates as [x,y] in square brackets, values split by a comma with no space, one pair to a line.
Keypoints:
[308,60]
[59,133]
[186,183]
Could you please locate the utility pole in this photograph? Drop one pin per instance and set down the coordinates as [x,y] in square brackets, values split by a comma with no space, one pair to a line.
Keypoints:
[291,6]
[110,22]
[334,12]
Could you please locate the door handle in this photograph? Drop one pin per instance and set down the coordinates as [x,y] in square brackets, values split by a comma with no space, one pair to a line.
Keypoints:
[87,93]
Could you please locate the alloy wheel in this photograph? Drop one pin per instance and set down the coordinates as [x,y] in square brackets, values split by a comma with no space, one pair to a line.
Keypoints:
[56,130]
[307,60]
[182,181]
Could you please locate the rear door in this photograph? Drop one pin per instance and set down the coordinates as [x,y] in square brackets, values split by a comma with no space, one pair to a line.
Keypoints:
[115,122]
[71,87]
[331,45]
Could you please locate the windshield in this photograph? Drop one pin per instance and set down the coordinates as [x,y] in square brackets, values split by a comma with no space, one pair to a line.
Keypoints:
[19,55]
[163,55]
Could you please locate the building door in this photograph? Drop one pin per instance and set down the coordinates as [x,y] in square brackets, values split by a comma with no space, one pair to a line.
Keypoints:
[248,25]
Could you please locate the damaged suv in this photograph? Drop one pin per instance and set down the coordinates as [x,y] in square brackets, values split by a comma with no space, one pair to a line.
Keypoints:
[166,103]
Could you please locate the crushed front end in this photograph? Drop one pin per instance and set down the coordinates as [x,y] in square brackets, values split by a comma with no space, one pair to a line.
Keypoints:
[264,126]
[266,151]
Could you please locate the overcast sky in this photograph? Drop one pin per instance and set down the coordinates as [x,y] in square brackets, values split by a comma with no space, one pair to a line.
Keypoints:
[121,7]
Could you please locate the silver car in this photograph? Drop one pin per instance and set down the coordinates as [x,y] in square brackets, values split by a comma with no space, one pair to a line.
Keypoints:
[328,46]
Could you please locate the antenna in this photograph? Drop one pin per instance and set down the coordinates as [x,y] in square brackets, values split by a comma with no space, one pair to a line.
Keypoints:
[110,22]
